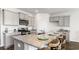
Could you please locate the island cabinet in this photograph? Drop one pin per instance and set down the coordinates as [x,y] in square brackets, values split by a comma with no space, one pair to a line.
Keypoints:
[19,45]
[29,47]
[30,42]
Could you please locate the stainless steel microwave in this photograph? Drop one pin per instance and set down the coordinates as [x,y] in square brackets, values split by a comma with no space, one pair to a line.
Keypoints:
[23,22]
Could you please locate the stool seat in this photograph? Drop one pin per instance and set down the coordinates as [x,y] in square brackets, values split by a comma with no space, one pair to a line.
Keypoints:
[54,44]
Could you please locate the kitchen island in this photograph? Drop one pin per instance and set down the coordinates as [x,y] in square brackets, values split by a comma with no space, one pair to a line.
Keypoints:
[31,42]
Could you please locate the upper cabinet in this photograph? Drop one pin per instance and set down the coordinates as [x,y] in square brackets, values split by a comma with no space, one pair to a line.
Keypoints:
[63,21]
[54,19]
[26,17]
[15,18]
[67,21]
[21,16]
[11,18]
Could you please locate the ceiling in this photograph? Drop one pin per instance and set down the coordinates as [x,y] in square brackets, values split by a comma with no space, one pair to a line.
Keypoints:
[45,10]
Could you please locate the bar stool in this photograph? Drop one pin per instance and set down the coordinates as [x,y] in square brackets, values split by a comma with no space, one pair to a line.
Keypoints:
[54,44]
[62,39]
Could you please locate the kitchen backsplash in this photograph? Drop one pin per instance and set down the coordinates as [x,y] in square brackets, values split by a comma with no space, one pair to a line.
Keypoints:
[11,29]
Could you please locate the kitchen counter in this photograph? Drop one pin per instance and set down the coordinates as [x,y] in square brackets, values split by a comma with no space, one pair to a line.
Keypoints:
[32,40]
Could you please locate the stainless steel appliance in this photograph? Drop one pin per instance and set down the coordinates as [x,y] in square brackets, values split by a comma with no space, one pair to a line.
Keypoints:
[24,31]
[23,22]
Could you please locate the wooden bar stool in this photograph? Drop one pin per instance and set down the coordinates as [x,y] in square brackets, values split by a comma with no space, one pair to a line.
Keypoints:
[62,39]
[53,45]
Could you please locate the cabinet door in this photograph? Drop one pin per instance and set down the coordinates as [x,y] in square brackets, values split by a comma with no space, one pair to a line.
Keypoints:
[18,45]
[52,19]
[32,48]
[67,21]
[8,40]
[11,18]
[22,16]
[29,47]
[61,21]
[26,47]
[64,21]
[30,19]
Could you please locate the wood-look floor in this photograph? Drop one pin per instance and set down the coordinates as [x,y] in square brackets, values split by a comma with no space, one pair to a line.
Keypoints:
[69,46]
[72,46]
[10,48]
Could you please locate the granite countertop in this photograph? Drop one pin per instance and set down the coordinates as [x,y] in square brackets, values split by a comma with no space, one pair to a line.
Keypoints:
[33,40]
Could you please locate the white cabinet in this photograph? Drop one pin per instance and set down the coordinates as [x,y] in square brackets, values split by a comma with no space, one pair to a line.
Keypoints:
[18,45]
[54,19]
[11,18]
[30,18]
[22,16]
[32,48]
[29,47]
[30,21]
[64,21]
[27,17]
[26,46]
[67,21]
[8,40]
[61,20]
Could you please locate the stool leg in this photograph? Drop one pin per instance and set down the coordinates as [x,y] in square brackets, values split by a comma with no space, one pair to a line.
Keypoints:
[54,48]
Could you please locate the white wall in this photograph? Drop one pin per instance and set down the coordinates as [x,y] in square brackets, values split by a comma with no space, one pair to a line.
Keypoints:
[42,22]
[0,26]
[74,26]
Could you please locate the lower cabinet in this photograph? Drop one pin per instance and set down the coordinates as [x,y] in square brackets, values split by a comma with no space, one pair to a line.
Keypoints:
[18,45]
[29,47]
